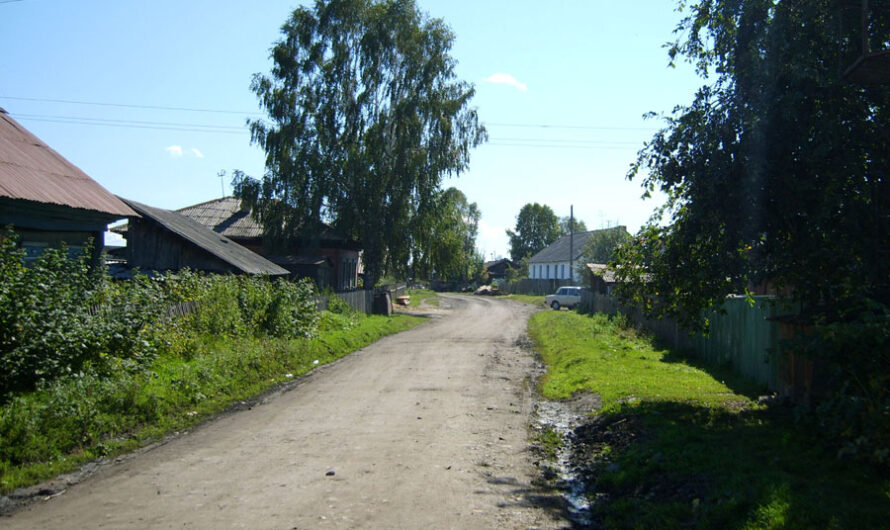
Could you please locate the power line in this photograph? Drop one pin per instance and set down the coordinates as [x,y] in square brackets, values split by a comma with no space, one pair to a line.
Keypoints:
[255,113]
[581,127]
[128,105]
[564,143]
[136,126]
[129,122]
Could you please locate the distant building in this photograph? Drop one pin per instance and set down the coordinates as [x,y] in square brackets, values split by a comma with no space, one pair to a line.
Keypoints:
[47,199]
[555,262]
[497,269]
[602,278]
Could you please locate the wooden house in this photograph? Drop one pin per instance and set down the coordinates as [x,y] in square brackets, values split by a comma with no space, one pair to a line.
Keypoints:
[497,269]
[161,240]
[47,199]
[330,258]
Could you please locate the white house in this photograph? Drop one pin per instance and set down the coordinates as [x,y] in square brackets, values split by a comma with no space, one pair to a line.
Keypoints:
[554,262]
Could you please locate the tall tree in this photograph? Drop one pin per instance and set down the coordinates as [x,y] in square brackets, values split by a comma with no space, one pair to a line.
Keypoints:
[365,117]
[777,171]
[446,247]
[565,228]
[536,227]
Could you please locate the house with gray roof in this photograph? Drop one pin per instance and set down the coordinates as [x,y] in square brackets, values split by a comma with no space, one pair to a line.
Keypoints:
[162,240]
[330,258]
[48,200]
[556,261]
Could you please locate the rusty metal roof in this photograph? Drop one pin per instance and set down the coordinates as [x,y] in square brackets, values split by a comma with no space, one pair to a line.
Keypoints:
[31,170]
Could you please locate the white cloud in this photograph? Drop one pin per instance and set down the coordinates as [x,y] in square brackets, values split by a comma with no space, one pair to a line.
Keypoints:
[506,79]
[176,151]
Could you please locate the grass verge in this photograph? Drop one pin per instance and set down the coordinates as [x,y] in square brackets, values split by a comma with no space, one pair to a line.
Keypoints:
[681,445]
[427,296]
[528,299]
[68,423]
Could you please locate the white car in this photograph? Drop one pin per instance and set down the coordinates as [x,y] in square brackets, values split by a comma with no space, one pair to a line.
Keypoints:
[568,297]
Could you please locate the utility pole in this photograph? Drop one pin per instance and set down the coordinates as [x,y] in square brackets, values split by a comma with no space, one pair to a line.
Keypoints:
[571,242]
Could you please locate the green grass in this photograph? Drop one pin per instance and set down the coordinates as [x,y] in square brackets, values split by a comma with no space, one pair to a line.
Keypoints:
[528,299]
[419,296]
[76,420]
[685,445]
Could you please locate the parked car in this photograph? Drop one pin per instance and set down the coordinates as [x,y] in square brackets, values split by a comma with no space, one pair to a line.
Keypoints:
[568,297]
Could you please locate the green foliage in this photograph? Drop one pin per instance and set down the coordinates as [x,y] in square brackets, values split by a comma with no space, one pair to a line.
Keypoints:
[536,227]
[444,235]
[776,176]
[245,305]
[602,247]
[518,273]
[365,118]
[59,314]
[776,171]
[854,356]
[565,228]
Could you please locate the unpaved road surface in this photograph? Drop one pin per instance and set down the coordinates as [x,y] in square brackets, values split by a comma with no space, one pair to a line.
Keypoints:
[425,429]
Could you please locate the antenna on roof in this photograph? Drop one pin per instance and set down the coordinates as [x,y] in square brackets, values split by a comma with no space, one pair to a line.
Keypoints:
[222,189]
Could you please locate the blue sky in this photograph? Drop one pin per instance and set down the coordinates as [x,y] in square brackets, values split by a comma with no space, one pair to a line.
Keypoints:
[561,87]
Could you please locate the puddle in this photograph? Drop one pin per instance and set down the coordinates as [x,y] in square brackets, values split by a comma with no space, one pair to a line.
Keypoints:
[563,419]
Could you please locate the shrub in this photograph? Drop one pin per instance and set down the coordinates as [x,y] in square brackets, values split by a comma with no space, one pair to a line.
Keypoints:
[60,313]
[855,355]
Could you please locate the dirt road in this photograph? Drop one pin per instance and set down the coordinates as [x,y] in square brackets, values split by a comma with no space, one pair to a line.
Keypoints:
[425,429]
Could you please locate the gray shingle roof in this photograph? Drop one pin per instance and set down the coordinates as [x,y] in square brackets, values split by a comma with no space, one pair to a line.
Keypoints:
[559,250]
[218,245]
[224,216]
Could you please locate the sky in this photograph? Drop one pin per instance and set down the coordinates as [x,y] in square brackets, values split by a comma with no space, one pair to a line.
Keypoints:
[151,98]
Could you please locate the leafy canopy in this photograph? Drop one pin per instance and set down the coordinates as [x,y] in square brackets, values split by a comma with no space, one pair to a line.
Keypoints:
[776,173]
[365,116]
[536,227]
[445,249]
[568,226]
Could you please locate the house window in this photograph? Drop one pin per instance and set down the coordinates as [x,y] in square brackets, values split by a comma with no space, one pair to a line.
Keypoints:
[562,270]
[548,271]
[33,250]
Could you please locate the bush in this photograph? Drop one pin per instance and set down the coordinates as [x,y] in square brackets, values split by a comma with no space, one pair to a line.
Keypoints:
[60,313]
[241,305]
[855,354]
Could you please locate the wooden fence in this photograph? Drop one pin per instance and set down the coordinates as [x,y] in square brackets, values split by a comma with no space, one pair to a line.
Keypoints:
[744,336]
[533,287]
[362,301]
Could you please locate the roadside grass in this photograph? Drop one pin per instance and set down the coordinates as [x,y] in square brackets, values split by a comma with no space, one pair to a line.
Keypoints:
[73,421]
[419,296]
[527,299]
[678,446]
